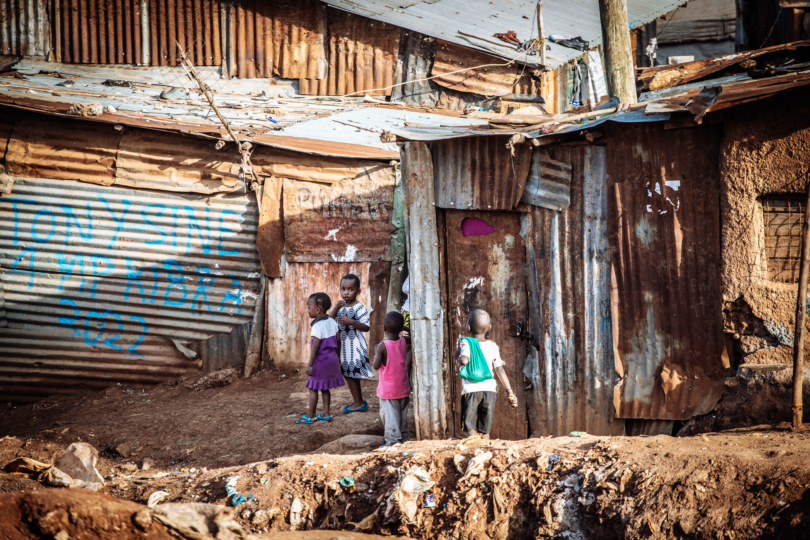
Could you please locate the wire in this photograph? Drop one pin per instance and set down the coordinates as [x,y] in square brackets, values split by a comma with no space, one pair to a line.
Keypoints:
[668,20]
[778,13]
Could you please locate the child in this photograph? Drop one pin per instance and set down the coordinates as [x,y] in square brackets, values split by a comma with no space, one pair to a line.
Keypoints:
[352,319]
[478,395]
[406,306]
[392,358]
[324,364]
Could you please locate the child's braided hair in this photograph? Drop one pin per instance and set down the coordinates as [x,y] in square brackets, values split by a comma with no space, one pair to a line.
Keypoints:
[322,300]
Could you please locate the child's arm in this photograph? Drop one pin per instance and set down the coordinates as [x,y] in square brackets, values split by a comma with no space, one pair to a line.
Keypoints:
[463,360]
[316,344]
[380,356]
[346,321]
[505,382]
[336,308]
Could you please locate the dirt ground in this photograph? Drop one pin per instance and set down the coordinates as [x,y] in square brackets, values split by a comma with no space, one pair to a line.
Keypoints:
[739,484]
[175,425]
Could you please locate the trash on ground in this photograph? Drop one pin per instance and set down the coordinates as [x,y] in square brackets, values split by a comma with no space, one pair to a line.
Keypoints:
[155,498]
[347,482]
[75,468]
[416,481]
[551,459]
[25,465]
[193,521]
[476,465]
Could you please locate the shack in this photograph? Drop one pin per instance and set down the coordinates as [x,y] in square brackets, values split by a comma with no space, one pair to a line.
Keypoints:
[638,267]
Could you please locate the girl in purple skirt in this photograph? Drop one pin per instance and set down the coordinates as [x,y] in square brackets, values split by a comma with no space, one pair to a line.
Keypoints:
[324,358]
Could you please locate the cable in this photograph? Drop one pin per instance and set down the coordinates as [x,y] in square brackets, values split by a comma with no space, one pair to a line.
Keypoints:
[668,20]
[778,13]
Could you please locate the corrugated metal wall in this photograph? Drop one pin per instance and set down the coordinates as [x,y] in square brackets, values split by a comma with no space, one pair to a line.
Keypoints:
[25,27]
[479,173]
[106,261]
[99,32]
[569,286]
[665,241]
[362,57]
[194,24]
[285,38]
[37,362]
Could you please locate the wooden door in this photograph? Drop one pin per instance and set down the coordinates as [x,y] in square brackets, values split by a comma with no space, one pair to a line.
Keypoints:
[485,269]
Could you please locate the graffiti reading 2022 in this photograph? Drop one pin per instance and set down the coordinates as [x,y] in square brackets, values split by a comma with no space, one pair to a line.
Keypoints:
[111,262]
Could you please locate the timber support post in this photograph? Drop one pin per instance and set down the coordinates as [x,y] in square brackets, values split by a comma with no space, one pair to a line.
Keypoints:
[799,329]
[618,50]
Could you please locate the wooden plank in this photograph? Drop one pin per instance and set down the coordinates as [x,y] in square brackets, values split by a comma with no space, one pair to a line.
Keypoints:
[345,222]
[270,237]
[487,272]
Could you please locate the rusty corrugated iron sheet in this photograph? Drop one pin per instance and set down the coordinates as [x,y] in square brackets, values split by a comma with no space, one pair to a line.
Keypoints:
[109,261]
[549,183]
[427,313]
[38,362]
[104,32]
[25,27]
[663,221]
[42,147]
[657,78]
[494,80]
[171,162]
[285,38]
[223,350]
[287,323]
[194,24]
[362,57]
[479,173]
[568,262]
[486,271]
[345,222]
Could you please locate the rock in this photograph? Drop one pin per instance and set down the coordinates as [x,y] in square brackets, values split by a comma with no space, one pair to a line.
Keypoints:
[262,517]
[261,468]
[94,108]
[123,450]
[129,467]
[142,519]
[351,444]
[147,464]
[61,535]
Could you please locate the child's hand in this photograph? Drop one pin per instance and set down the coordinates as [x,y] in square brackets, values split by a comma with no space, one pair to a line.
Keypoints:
[309,370]
[344,320]
[340,304]
[513,399]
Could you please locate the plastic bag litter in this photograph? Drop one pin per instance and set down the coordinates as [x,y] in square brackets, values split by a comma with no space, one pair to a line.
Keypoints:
[476,464]
[155,498]
[199,521]
[75,468]
[296,514]
[416,481]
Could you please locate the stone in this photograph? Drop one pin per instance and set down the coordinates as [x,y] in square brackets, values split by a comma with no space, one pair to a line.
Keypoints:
[123,450]
[142,519]
[147,464]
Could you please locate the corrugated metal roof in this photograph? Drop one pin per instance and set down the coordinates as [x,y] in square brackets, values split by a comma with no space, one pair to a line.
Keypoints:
[665,242]
[569,285]
[445,19]
[493,80]
[479,173]
[362,57]
[108,260]
[25,27]
[37,362]
[427,314]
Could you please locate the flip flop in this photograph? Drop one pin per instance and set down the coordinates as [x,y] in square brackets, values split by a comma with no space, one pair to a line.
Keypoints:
[364,408]
[305,420]
[323,418]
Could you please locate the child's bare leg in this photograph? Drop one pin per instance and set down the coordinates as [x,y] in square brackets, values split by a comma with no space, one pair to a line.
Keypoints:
[357,394]
[327,401]
[486,436]
[313,403]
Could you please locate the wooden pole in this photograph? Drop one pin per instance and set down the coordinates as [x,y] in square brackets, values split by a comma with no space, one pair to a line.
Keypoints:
[541,33]
[618,50]
[801,309]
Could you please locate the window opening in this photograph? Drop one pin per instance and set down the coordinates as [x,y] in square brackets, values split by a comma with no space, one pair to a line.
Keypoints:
[783,217]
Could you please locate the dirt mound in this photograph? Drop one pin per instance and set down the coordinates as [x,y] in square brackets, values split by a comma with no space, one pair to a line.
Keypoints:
[352,444]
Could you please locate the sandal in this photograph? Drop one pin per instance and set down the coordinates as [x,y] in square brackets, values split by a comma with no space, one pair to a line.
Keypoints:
[305,420]
[323,418]
[347,410]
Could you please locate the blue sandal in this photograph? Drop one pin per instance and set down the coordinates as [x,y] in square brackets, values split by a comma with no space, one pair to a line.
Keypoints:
[323,418]
[347,410]
[305,420]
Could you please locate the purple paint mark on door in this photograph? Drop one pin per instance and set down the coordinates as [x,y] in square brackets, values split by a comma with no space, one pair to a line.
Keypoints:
[476,227]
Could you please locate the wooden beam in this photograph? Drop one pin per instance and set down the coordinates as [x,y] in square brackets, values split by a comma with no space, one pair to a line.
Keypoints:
[799,330]
[618,50]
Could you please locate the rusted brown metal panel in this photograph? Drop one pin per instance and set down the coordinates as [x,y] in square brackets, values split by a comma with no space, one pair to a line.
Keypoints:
[345,222]
[42,147]
[23,27]
[285,38]
[487,272]
[6,127]
[568,275]
[488,81]
[288,326]
[362,57]
[479,173]
[285,164]
[270,236]
[665,252]
[39,361]
[379,276]
[168,162]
